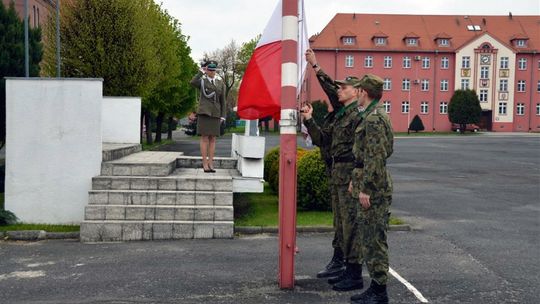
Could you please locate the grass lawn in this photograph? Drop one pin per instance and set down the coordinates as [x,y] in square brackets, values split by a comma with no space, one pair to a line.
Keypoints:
[155,145]
[261,209]
[45,227]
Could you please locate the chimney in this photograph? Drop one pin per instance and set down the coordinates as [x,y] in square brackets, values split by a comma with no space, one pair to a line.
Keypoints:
[510,15]
[484,21]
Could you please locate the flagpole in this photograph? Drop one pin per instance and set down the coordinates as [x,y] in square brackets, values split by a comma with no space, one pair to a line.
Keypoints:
[287,160]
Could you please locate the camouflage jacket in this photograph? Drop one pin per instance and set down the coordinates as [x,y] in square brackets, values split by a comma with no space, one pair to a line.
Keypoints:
[330,88]
[340,138]
[373,144]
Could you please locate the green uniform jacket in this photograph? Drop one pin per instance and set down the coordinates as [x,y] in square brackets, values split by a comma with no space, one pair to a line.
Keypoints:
[212,97]
[373,145]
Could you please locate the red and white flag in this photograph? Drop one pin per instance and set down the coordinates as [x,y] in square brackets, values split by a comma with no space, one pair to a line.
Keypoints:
[260,91]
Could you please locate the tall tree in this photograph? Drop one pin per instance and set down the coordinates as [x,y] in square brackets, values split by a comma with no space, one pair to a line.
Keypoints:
[245,53]
[464,108]
[12,55]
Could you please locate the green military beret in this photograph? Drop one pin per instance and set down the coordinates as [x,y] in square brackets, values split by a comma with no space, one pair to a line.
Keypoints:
[349,80]
[211,65]
[371,83]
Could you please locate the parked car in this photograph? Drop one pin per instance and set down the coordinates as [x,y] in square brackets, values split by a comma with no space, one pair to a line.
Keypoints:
[468,127]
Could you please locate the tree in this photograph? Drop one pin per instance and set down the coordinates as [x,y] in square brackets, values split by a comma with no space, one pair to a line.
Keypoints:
[464,108]
[416,124]
[12,55]
[245,53]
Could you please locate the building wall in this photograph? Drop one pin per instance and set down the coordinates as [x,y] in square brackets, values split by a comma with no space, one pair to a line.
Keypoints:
[120,120]
[38,10]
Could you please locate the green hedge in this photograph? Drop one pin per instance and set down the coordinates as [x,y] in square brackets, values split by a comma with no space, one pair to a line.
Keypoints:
[311,177]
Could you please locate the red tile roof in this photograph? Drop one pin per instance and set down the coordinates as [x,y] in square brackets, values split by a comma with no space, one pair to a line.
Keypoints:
[428,28]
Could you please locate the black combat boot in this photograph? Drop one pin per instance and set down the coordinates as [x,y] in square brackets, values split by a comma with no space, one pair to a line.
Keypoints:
[352,278]
[375,294]
[335,267]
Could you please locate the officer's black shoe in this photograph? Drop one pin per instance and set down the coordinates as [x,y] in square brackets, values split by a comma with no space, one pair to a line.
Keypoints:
[375,294]
[335,267]
[352,279]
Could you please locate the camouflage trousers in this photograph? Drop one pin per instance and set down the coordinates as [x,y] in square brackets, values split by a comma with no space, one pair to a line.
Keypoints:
[337,242]
[372,237]
[347,227]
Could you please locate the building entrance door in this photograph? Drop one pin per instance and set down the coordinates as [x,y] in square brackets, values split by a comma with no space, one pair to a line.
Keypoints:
[486,120]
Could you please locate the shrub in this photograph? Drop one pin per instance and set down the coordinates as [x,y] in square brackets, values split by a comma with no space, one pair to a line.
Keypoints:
[313,191]
[7,218]
[271,167]
[269,159]
[416,124]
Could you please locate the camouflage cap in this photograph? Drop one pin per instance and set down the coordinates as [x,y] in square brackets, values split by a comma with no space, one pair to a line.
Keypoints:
[371,83]
[349,80]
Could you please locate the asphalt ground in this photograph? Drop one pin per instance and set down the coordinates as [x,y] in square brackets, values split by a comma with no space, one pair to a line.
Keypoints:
[473,202]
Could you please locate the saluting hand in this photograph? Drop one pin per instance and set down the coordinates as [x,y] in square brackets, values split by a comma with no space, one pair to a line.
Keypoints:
[364,200]
[307,111]
[310,57]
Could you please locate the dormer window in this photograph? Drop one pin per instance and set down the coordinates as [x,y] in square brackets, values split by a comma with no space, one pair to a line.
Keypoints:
[349,40]
[411,41]
[444,42]
[521,42]
[380,40]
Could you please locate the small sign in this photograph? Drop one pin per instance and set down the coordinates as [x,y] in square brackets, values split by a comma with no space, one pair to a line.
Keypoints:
[505,73]
[484,83]
[465,72]
[503,95]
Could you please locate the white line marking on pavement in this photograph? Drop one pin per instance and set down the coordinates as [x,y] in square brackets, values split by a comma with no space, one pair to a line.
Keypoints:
[409,286]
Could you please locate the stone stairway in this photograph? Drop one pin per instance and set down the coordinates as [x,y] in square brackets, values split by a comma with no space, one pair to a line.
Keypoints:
[160,196]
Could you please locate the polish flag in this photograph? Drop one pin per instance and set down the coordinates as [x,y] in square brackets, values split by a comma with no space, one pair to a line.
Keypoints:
[260,91]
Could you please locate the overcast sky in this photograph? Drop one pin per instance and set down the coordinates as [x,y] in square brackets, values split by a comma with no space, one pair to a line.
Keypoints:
[213,23]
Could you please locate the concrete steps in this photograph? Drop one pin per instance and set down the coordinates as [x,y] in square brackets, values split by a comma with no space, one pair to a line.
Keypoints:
[160,195]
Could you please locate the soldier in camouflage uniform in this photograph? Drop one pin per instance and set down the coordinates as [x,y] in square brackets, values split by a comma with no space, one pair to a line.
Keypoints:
[341,138]
[337,264]
[372,187]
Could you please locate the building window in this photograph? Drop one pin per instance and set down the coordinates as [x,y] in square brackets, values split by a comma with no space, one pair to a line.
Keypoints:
[387,62]
[444,42]
[368,61]
[348,40]
[425,85]
[522,64]
[464,84]
[504,62]
[406,62]
[411,41]
[502,108]
[466,62]
[521,43]
[425,63]
[444,85]
[443,107]
[349,61]
[483,96]
[520,109]
[424,107]
[538,86]
[538,109]
[387,84]
[405,107]
[406,84]
[380,40]
[387,106]
[484,72]
[503,85]
[445,63]
[521,86]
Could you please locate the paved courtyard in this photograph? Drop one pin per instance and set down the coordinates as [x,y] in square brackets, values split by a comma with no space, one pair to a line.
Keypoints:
[474,204]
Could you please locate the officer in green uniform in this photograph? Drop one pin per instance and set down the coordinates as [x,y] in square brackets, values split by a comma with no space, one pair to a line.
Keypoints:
[341,138]
[337,264]
[372,187]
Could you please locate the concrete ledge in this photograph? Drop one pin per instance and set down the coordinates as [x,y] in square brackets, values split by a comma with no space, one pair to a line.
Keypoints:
[305,229]
[26,235]
[113,151]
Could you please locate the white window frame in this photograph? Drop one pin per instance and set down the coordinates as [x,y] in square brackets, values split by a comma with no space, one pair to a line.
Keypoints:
[504,62]
[445,63]
[425,85]
[503,108]
[349,61]
[465,83]
[387,62]
[426,62]
[538,86]
[424,107]
[538,109]
[444,42]
[483,95]
[348,40]
[405,107]
[406,84]
[368,61]
[484,72]
[411,41]
[387,106]
[521,43]
[466,62]
[520,109]
[521,85]
[522,64]
[380,41]
[387,84]
[444,85]
[443,107]
[406,62]
[503,85]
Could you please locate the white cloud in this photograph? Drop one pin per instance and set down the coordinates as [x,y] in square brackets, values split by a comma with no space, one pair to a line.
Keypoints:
[213,23]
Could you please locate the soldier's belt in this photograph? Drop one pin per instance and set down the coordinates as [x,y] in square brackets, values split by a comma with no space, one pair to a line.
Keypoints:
[343,159]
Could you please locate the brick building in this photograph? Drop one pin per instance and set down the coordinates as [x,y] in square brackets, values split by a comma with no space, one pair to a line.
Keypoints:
[38,10]
[423,59]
